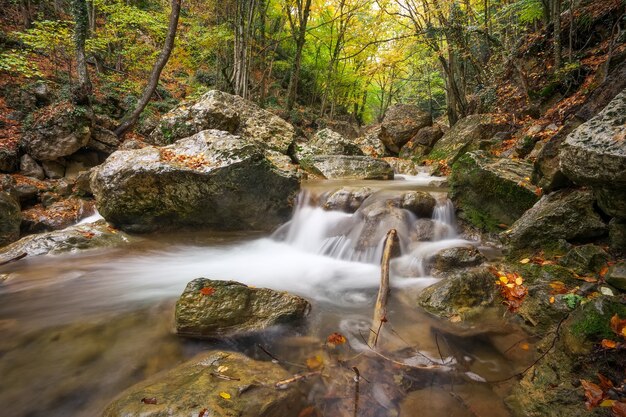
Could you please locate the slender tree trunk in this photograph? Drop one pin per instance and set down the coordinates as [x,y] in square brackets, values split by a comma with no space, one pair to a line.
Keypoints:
[25,11]
[153,81]
[82,90]
[557,33]
[303,17]
[571,31]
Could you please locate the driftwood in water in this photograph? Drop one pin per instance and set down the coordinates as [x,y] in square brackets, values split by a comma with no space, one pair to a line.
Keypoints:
[14,259]
[380,311]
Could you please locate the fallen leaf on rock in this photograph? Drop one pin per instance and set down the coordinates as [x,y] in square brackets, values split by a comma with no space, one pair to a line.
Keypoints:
[593,392]
[202,412]
[336,339]
[225,395]
[314,362]
[608,344]
[618,326]
[524,261]
[207,291]
[151,400]
[619,409]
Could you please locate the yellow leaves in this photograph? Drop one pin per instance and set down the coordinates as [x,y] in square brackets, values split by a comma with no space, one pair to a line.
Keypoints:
[524,261]
[225,395]
[314,363]
[512,289]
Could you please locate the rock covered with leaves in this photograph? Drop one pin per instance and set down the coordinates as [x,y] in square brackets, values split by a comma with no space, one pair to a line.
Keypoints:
[223,111]
[213,180]
[210,308]
[595,155]
[216,384]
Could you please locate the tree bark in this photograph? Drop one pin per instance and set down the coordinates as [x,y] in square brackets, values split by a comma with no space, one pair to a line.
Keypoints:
[153,81]
[557,33]
[82,90]
[294,77]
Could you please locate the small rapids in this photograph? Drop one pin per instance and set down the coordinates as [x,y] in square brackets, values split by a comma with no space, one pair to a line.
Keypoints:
[103,317]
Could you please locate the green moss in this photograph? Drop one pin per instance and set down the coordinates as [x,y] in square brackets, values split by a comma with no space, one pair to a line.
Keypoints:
[594,324]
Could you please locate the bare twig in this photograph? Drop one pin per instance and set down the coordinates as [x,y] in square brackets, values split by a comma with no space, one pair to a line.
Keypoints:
[357,379]
[16,258]
[274,358]
[299,377]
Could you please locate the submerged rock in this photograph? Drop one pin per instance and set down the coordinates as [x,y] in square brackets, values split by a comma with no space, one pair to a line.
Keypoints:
[78,237]
[401,123]
[595,155]
[465,292]
[216,384]
[212,179]
[348,167]
[565,214]
[10,219]
[490,191]
[211,308]
[222,111]
[57,131]
[465,136]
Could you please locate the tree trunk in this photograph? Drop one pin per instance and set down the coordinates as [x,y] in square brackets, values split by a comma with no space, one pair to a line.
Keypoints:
[82,90]
[294,77]
[25,11]
[557,33]
[153,81]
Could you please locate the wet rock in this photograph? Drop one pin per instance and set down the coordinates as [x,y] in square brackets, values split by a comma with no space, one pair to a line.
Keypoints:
[54,214]
[585,259]
[456,258]
[26,194]
[348,167]
[10,219]
[377,219]
[328,142]
[83,184]
[564,214]
[71,239]
[370,143]
[490,191]
[30,168]
[247,390]
[423,230]
[230,308]
[57,132]
[402,166]
[547,172]
[346,199]
[53,169]
[465,136]
[465,292]
[222,111]
[422,143]
[617,234]
[401,123]
[213,180]
[420,203]
[616,276]
[595,155]
[9,157]
[103,140]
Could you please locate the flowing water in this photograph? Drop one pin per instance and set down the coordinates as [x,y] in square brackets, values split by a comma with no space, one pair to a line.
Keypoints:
[78,329]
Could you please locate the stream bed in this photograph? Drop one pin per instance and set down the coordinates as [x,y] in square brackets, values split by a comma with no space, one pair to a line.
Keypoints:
[77,329]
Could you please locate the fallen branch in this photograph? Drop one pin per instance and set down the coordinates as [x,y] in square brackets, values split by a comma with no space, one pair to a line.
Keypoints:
[380,311]
[16,258]
[284,384]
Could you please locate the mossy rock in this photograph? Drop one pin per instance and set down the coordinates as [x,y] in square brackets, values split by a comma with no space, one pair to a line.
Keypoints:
[210,308]
[10,219]
[491,191]
[585,259]
[590,323]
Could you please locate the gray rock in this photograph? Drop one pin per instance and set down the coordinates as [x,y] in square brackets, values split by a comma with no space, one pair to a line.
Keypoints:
[456,258]
[56,213]
[490,191]
[53,169]
[423,230]
[212,180]
[10,219]
[402,166]
[370,143]
[420,203]
[617,235]
[346,199]
[585,259]
[547,172]
[328,142]
[422,143]
[71,239]
[30,168]
[222,111]
[348,167]
[401,123]
[616,276]
[103,140]
[465,292]
[9,158]
[564,214]
[26,194]
[83,183]
[465,136]
[595,155]
[59,132]
[231,308]
[223,384]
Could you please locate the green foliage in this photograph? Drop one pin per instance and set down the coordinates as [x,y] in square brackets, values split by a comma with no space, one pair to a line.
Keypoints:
[572,300]
[16,63]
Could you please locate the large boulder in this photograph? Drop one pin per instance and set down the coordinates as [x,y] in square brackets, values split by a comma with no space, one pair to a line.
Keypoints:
[10,219]
[222,111]
[328,142]
[210,308]
[72,239]
[57,131]
[490,191]
[216,384]
[401,123]
[371,144]
[595,155]
[348,167]
[465,136]
[212,179]
[564,214]
[422,143]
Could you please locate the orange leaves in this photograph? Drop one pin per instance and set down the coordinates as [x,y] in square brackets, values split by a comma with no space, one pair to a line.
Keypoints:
[593,393]
[207,291]
[512,289]
[598,395]
[336,339]
[618,326]
[314,363]
[189,161]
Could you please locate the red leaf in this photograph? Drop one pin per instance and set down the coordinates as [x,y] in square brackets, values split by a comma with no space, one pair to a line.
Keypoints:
[151,400]
[207,291]
[593,392]
[336,339]
[619,409]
